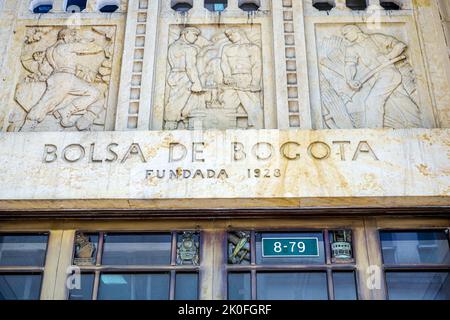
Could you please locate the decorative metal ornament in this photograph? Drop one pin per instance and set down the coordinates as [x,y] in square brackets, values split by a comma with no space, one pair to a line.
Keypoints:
[239,247]
[188,248]
[341,246]
[84,251]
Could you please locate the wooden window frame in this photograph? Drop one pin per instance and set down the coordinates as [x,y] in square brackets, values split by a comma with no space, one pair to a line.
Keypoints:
[30,270]
[214,230]
[421,267]
[172,268]
[328,267]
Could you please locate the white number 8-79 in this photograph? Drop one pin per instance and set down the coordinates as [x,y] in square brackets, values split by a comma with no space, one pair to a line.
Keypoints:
[299,245]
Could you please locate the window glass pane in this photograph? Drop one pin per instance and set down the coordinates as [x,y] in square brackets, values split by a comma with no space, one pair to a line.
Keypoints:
[85,290]
[320,259]
[23,250]
[415,247]
[418,285]
[137,249]
[239,286]
[292,286]
[20,286]
[186,286]
[134,286]
[344,286]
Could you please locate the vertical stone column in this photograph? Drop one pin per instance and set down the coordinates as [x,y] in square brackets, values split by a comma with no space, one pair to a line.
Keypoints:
[435,51]
[58,6]
[280,65]
[8,20]
[340,5]
[91,6]
[233,5]
[137,74]
[374,5]
[197,5]
[291,74]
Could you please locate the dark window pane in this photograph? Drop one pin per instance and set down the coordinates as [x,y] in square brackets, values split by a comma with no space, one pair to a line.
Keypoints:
[418,285]
[23,250]
[292,286]
[415,247]
[76,5]
[134,286]
[186,286]
[85,290]
[344,286]
[20,286]
[137,249]
[293,259]
[239,286]
[216,5]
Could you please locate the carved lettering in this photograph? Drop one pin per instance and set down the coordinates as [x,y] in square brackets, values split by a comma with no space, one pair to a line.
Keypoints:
[285,153]
[134,149]
[319,150]
[73,153]
[341,152]
[238,151]
[173,147]
[111,152]
[364,147]
[91,154]
[50,154]
[260,153]
[197,151]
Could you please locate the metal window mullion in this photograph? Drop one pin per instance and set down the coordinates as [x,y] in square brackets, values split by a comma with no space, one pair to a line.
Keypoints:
[173,262]
[330,284]
[253,284]
[253,281]
[98,262]
[172,287]
[326,241]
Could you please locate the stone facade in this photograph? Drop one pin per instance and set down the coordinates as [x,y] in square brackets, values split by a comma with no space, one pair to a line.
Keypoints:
[285,102]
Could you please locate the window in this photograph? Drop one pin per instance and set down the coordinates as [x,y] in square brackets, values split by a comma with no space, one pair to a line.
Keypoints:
[74,6]
[416,264]
[249,5]
[22,260]
[216,5]
[323,5]
[389,5]
[316,265]
[41,6]
[356,4]
[108,6]
[181,5]
[137,266]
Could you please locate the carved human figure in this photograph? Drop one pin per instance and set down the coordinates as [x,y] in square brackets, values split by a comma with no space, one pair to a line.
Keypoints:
[183,79]
[242,69]
[378,54]
[68,87]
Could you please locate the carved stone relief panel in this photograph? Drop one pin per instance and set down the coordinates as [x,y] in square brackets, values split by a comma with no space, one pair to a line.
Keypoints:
[367,79]
[65,79]
[214,78]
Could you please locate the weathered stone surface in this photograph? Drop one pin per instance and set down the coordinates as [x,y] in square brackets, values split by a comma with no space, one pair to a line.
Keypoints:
[303,164]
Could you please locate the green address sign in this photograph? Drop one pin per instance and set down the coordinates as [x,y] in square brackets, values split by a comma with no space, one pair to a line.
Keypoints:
[290,247]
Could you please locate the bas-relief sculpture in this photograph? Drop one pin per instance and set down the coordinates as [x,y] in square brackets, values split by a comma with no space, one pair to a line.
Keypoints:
[215,82]
[366,81]
[66,75]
